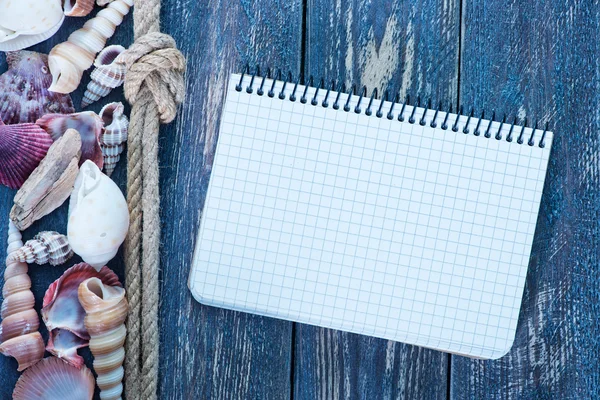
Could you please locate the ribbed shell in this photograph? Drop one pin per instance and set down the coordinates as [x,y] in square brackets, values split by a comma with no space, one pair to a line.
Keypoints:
[22,147]
[19,336]
[69,59]
[106,75]
[53,379]
[114,136]
[106,309]
[24,94]
[45,247]
[62,310]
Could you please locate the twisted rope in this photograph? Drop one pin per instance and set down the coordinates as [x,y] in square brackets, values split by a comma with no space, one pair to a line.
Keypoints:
[154,86]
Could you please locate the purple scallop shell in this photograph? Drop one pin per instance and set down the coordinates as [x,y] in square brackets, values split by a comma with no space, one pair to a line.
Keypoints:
[24,94]
[22,147]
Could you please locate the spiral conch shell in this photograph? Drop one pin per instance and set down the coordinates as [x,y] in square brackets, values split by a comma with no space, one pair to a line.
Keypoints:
[98,216]
[114,135]
[69,59]
[45,247]
[19,336]
[106,309]
[106,76]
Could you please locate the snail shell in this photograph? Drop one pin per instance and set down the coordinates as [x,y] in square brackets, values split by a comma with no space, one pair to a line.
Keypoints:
[19,336]
[106,309]
[114,136]
[106,75]
[45,247]
[69,59]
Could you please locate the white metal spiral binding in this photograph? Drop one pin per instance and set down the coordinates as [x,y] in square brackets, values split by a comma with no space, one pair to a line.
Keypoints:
[349,101]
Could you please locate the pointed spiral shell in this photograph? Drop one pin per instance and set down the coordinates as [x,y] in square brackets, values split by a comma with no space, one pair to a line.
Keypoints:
[19,336]
[114,135]
[45,247]
[69,59]
[106,75]
[106,309]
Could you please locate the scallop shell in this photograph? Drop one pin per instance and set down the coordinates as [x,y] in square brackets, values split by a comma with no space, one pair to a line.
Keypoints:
[19,336]
[114,136]
[53,379]
[61,310]
[78,8]
[98,216]
[24,94]
[24,23]
[69,59]
[89,126]
[106,309]
[106,75]
[45,247]
[22,147]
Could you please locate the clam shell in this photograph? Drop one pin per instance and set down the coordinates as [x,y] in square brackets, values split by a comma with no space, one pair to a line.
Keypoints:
[22,147]
[52,379]
[98,216]
[89,126]
[106,76]
[64,344]
[116,129]
[24,23]
[78,8]
[62,311]
[24,94]
[45,247]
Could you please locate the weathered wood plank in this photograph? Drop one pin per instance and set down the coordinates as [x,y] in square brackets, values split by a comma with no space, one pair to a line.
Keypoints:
[208,352]
[539,60]
[43,276]
[410,49]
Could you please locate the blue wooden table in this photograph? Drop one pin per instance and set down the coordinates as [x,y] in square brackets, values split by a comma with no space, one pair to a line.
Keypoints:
[535,60]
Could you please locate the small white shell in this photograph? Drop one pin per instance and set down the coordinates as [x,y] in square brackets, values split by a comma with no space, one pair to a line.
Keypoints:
[98,216]
[24,23]
[114,134]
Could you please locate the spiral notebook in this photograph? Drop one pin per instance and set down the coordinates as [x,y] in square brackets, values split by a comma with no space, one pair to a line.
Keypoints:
[369,216]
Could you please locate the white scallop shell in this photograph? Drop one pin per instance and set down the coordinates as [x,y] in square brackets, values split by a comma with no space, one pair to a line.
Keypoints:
[98,216]
[24,23]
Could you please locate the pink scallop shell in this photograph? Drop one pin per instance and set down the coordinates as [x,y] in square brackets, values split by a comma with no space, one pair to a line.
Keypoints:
[22,147]
[52,379]
[62,311]
[87,123]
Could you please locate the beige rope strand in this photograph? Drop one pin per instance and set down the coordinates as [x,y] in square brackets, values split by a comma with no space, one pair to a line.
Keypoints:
[154,86]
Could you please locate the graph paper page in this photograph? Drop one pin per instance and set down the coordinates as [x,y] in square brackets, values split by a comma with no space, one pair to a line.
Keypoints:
[369,225]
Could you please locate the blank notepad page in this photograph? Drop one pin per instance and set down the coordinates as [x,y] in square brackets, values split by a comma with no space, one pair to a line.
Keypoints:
[368,224]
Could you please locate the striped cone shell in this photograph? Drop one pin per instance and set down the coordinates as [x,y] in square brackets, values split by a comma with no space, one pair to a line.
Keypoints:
[46,247]
[106,75]
[114,135]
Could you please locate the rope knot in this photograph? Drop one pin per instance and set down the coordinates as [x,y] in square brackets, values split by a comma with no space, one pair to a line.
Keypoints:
[155,68]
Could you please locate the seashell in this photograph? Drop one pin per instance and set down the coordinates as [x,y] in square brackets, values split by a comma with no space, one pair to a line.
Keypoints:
[106,75]
[106,309]
[24,94]
[89,126]
[69,59]
[52,379]
[114,136]
[24,23]
[102,3]
[78,8]
[22,147]
[98,216]
[50,183]
[63,315]
[45,247]
[19,336]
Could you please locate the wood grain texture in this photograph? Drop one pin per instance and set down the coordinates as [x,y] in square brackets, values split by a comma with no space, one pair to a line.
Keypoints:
[43,276]
[403,48]
[538,60]
[210,353]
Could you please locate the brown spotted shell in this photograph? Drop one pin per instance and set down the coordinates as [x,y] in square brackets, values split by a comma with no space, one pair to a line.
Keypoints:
[45,247]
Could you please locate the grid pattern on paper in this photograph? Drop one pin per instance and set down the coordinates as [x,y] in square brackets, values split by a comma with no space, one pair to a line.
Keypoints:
[368,225]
